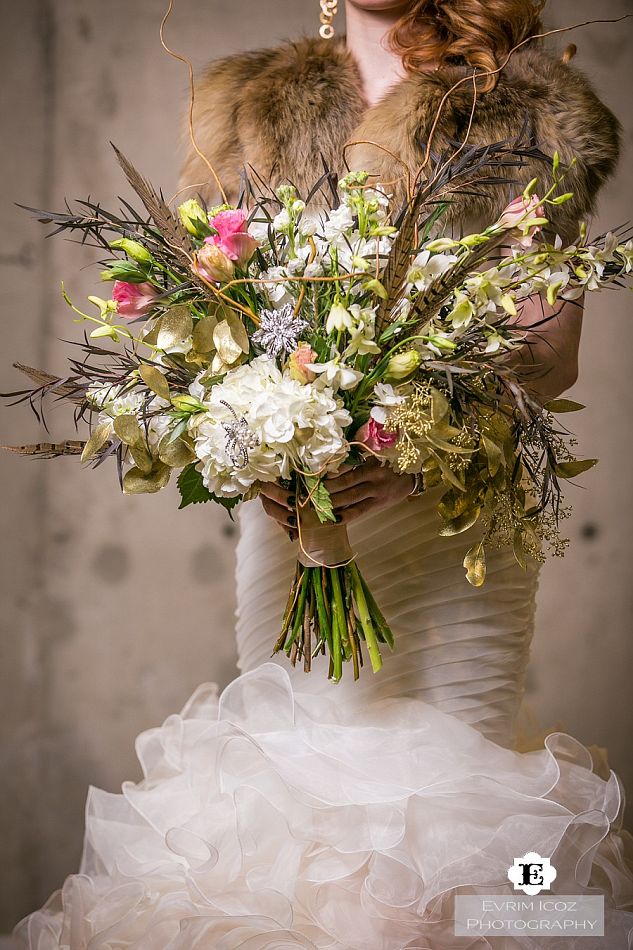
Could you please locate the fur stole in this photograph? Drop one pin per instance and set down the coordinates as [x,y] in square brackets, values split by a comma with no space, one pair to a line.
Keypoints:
[287,113]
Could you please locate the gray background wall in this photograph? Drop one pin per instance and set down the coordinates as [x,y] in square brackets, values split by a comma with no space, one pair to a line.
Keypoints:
[115,608]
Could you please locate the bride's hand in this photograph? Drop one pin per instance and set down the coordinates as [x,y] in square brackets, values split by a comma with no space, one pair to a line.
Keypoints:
[369,486]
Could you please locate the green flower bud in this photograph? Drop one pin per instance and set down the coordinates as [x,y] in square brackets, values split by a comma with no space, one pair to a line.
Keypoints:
[286,194]
[185,403]
[124,270]
[402,365]
[134,250]
[442,343]
[442,244]
[194,218]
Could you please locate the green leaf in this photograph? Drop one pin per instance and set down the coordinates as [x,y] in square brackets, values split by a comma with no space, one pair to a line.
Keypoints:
[573,468]
[320,498]
[563,405]
[193,491]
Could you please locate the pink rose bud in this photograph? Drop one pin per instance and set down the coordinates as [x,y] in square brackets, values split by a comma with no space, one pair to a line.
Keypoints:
[518,215]
[374,435]
[133,300]
[233,237]
[297,363]
[212,264]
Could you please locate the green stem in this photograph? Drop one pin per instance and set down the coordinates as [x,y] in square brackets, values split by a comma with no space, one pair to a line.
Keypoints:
[324,625]
[365,619]
[338,621]
[377,614]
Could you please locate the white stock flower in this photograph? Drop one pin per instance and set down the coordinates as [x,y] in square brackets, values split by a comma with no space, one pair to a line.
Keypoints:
[338,221]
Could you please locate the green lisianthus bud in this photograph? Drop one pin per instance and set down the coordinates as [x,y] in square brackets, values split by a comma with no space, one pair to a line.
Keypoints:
[134,250]
[194,218]
[442,343]
[403,364]
[124,270]
[185,403]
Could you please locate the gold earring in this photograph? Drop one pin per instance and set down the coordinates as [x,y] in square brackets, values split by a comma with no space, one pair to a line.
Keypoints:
[328,12]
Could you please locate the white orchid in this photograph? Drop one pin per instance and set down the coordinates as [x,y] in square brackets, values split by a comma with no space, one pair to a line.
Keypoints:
[339,319]
[336,374]
[363,332]
[426,267]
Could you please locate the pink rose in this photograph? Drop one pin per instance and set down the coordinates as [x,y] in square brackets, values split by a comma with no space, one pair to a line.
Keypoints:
[233,237]
[303,355]
[374,435]
[519,213]
[133,300]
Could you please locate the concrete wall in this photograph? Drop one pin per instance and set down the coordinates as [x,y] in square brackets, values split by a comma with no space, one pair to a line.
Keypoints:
[115,608]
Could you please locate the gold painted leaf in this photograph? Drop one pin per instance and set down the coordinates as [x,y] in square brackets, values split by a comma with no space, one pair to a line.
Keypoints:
[563,405]
[176,326]
[239,331]
[448,446]
[494,454]
[519,550]
[228,349]
[203,334]
[98,438]
[439,405]
[573,468]
[128,430]
[475,564]
[176,454]
[462,523]
[142,457]
[154,380]
[449,476]
[136,482]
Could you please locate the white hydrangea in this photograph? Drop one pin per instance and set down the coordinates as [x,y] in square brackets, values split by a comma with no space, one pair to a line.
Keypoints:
[281,423]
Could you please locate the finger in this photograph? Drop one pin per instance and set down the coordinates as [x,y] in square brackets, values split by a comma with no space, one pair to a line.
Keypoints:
[338,483]
[279,513]
[276,493]
[352,496]
[356,511]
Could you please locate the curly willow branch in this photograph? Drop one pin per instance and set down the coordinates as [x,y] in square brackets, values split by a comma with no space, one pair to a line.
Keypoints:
[192,94]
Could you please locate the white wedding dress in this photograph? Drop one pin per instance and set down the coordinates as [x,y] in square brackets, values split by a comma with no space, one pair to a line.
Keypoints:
[291,811]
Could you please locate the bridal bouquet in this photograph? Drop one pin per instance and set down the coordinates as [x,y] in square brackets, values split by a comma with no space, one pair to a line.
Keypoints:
[281,343]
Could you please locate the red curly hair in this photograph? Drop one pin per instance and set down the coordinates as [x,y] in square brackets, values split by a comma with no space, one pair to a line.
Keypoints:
[480,33]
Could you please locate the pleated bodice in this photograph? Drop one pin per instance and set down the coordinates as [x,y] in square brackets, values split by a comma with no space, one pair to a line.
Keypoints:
[459,648]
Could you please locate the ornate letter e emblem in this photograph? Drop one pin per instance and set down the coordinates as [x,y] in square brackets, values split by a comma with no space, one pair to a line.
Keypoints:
[532,874]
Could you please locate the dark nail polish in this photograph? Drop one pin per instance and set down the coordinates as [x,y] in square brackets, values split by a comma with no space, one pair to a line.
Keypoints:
[292,501]
[292,536]
[292,520]
[338,518]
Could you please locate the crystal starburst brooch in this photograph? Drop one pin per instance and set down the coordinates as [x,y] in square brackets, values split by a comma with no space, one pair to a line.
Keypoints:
[279,331]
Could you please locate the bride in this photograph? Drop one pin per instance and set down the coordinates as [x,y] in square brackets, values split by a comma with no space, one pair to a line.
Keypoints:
[290,811]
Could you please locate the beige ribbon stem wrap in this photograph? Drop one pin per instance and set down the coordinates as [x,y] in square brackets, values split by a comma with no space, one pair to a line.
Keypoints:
[321,545]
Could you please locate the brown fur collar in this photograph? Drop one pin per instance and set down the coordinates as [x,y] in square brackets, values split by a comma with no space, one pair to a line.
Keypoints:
[287,111]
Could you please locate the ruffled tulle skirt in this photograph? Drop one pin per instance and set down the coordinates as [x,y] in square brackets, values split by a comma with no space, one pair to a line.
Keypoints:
[269,818]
